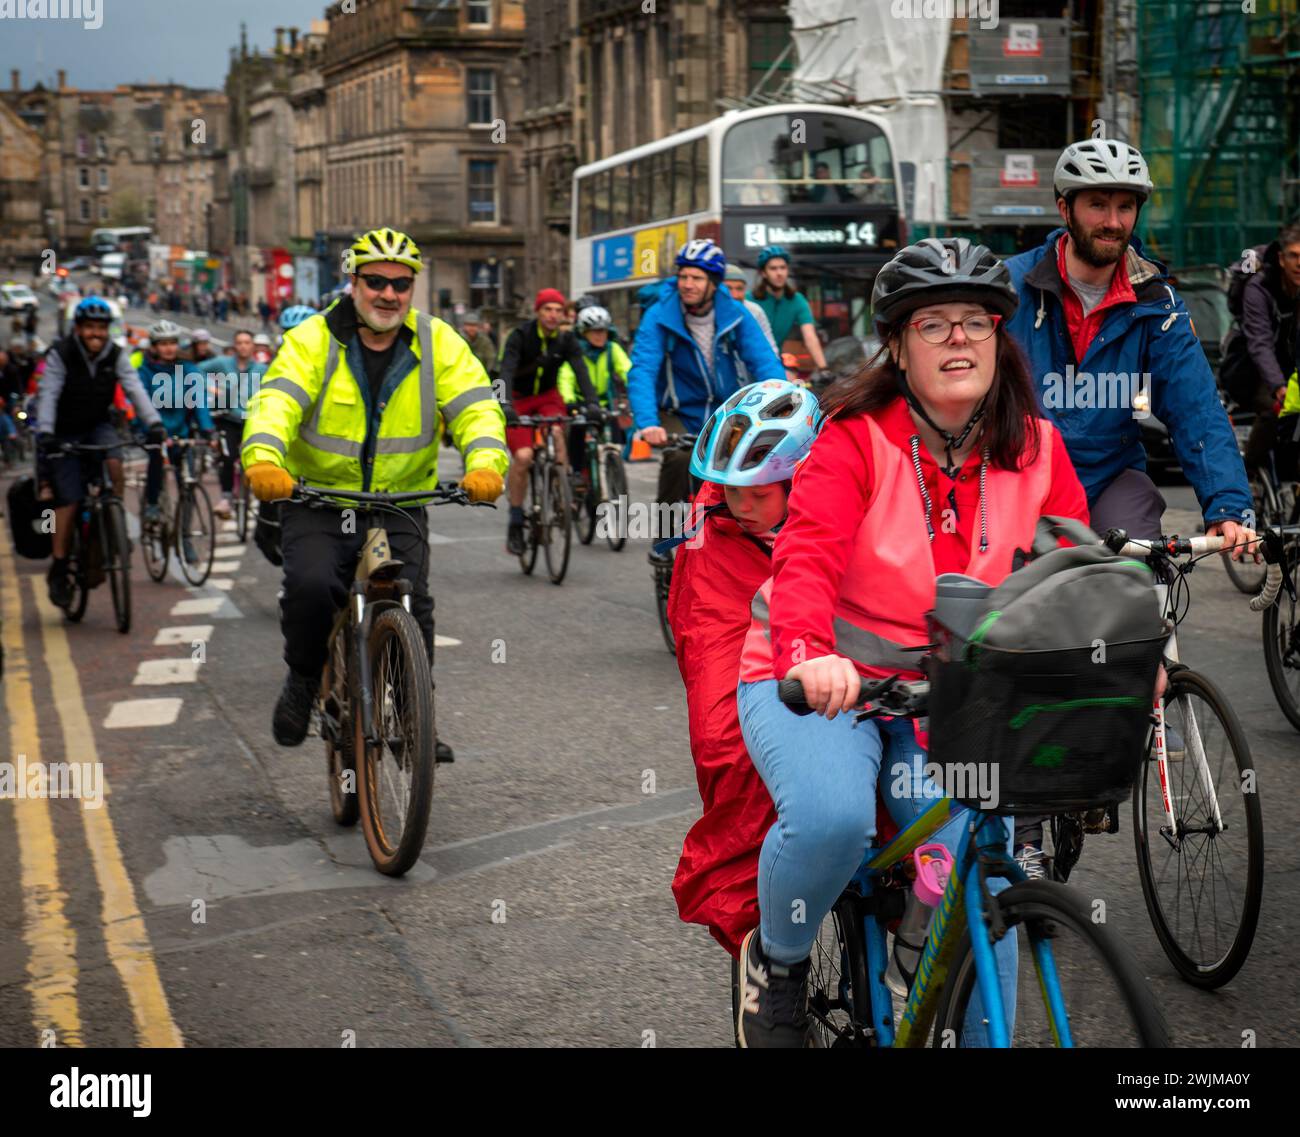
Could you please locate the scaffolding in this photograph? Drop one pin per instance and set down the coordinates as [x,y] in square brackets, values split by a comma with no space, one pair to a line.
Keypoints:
[1220,124]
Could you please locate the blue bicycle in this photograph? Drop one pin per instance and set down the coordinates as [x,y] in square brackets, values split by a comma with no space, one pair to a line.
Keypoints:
[1077,984]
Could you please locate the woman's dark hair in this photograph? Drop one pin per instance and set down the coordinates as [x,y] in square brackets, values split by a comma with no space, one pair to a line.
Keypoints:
[1290,235]
[761,291]
[1010,428]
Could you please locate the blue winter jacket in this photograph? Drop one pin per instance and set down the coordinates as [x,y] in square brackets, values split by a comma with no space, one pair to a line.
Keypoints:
[179,392]
[1154,337]
[668,369]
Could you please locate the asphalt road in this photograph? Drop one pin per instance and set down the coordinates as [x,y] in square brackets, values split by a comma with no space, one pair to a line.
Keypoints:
[212,901]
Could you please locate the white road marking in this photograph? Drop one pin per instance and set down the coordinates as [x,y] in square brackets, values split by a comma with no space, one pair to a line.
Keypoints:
[225,566]
[142,712]
[200,606]
[183,634]
[224,585]
[161,672]
[445,641]
[229,527]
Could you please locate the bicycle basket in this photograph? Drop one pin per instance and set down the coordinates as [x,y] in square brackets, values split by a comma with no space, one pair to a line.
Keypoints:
[1063,729]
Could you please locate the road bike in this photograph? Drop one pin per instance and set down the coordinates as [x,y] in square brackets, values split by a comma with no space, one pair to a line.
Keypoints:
[548,509]
[1197,825]
[376,694]
[185,524]
[100,549]
[600,499]
[1077,985]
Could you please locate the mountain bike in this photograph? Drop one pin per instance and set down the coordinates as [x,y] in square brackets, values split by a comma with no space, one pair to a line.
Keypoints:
[376,694]
[601,499]
[100,549]
[1197,825]
[548,510]
[185,525]
[662,567]
[1084,988]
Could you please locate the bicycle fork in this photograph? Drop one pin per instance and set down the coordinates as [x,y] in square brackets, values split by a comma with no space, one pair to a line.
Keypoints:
[362,619]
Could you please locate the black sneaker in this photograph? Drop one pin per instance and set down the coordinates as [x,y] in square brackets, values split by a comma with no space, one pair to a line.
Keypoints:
[293,709]
[443,753]
[515,539]
[773,1000]
[59,584]
[660,560]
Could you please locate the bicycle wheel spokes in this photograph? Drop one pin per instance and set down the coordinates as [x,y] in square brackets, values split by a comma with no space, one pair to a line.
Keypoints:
[1282,648]
[559,523]
[828,986]
[1203,877]
[393,766]
[196,538]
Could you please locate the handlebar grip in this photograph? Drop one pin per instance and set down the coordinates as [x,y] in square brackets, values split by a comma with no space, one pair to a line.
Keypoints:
[1272,586]
[790,692]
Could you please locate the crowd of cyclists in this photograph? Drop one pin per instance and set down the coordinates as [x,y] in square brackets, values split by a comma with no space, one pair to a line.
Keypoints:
[818,523]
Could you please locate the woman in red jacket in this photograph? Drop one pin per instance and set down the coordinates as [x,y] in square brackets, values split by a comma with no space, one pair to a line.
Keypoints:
[745,456]
[934,462]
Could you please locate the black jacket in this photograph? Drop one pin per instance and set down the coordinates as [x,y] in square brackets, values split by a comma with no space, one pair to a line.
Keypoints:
[1265,340]
[530,368]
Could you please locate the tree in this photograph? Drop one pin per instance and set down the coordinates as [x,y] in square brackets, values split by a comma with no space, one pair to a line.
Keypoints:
[127,209]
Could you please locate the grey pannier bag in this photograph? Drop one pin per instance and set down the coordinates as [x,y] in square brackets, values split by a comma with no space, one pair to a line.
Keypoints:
[1050,674]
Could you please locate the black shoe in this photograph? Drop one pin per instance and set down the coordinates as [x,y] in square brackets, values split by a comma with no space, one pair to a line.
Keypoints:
[660,560]
[773,1000]
[293,709]
[515,539]
[60,586]
[443,753]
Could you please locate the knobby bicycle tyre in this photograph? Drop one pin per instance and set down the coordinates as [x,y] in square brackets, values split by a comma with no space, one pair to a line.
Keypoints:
[1203,961]
[559,516]
[340,760]
[196,523]
[1046,909]
[117,561]
[532,523]
[614,492]
[403,689]
[1282,646]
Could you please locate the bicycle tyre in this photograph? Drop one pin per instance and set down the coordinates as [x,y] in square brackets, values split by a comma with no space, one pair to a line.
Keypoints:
[614,489]
[155,541]
[390,856]
[117,561]
[532,510]
[663,586]
[559,514]
[1047,903]
[195,504]
[585,505]
[1248,577]
[837,1020]
[243,505]
[1219,971]
[340,759]
[76,608]
[1279,630]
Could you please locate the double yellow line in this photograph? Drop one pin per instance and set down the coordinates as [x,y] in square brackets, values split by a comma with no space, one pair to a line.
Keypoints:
[50,936]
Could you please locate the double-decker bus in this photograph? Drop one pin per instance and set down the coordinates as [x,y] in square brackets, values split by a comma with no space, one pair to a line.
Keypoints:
[821,181]
[128,239]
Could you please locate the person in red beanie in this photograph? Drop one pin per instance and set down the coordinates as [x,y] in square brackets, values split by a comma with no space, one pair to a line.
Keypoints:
[530,367]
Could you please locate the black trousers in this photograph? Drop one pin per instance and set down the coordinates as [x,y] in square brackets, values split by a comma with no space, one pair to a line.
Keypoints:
[320,562]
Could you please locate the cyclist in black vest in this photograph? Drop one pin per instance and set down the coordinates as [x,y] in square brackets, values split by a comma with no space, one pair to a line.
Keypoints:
[74,402]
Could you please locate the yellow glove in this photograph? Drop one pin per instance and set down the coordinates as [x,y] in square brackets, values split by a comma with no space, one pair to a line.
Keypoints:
[269,481]
[482,485]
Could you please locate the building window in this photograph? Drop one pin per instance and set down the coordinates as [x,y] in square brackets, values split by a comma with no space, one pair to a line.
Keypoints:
[103,177]
[482,97]
[82,147]
[85,209]
[155,145]
[101,146]
[103,211]
[768,43]
[484,284]
[83,177]
[479,14]
[483,193]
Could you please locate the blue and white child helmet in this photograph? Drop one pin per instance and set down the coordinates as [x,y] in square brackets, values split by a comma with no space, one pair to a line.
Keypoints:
[758,436]
[292,317]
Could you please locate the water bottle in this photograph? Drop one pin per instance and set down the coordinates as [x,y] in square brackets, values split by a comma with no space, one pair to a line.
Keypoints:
[933,865]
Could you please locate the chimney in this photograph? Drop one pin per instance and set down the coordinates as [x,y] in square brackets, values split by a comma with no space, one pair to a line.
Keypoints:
[279,41]
[63,80]
[293,41]
[15,77]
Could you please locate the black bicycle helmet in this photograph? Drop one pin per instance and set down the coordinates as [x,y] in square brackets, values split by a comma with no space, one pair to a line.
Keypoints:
[940,270]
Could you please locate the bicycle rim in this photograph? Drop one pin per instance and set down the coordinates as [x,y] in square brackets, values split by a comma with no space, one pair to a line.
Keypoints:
[153,542]
[1282,647]
[559,524]
[396,779]
[837,972]
[195,523]
[614,489]
[1105,999]
[117,562]
[532,508]
[1203,893]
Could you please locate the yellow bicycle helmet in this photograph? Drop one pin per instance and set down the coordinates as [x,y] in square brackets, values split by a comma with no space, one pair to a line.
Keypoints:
[386,245]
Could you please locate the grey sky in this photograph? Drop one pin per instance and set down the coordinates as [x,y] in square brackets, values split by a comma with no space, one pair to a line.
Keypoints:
[187,41]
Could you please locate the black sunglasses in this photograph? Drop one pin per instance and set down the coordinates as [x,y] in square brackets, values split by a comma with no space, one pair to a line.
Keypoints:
[376,283]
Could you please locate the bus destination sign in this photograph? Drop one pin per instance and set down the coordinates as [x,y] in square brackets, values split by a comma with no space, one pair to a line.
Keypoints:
[827,235]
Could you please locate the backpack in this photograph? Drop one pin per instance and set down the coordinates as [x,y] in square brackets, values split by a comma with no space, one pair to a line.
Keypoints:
[1237,278]
[31,535]
[1049,676]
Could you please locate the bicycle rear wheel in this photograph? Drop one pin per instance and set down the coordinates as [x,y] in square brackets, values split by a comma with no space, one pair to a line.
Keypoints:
[1247,576]
[196,534]
[837,976]
[76,608]
[1105,999]
[663,586]
[613,478]
[559,523]
[532,514]
[340,753]
[1282,646]
[1202,884]
[117,561]
[395,777]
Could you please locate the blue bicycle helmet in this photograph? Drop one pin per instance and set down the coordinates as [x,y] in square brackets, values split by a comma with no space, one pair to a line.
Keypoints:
[757,436]
[772,253]
[703,254]
[92,308]
[292,317]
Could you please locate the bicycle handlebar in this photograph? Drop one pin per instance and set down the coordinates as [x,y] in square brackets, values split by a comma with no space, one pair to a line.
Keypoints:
[439,495]
[892,697]
[1170,546]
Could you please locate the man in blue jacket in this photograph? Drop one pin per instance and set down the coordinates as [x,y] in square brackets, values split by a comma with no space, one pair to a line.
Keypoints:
[1110,342]
[686,356]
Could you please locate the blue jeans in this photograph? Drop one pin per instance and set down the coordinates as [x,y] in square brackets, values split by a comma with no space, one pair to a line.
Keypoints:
[822,775]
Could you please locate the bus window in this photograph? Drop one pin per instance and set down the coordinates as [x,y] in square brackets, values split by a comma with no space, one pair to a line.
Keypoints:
[683,179]
[700,182]
[620,193]
[660,175]
[586,227]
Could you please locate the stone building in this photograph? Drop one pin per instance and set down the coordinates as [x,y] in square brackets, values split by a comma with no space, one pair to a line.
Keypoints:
[22,221]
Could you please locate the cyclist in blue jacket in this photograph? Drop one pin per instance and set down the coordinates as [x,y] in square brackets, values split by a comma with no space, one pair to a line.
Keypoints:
[686,357]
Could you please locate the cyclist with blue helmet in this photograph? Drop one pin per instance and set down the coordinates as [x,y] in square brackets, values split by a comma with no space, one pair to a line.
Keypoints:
[82,373]
[232,381]
[787,309]
[688,356]
[295,315]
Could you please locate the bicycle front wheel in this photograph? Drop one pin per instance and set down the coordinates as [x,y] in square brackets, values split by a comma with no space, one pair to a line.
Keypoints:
[340,740]
[1247,576]
[1282,647]
[395,777]
[155,539]
[1077,984]
[532,524]
[614,492]
[663,586]
[76,608]
[586,504]
[117,561]
[243,505]
[559,523]
[837,978]
[1202,880]
[196,534]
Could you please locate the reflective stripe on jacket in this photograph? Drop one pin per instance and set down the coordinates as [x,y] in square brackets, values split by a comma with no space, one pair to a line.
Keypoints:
[313,414]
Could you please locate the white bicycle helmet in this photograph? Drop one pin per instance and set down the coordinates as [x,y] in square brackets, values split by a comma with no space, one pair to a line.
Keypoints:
[593,319]
[1102,163]
[165,330]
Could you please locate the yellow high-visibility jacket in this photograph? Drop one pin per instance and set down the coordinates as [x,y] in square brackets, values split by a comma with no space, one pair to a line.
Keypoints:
[312,413]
